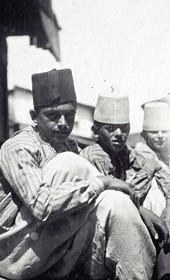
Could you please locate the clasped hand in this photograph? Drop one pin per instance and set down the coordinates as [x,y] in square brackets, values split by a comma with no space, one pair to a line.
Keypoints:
[112,183]
[156,225]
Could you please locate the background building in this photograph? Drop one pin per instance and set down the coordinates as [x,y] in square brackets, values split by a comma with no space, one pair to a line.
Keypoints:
[32,18]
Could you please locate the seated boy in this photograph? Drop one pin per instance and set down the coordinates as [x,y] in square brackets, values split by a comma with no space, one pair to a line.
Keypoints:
[156,128]
[111,156]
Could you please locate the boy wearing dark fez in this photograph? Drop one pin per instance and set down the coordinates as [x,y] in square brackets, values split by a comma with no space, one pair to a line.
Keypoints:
[57,210]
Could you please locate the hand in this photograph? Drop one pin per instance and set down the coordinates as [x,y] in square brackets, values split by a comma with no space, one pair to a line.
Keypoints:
[156,226]
[141,183]
[166,214]
[166,217]
[111,183]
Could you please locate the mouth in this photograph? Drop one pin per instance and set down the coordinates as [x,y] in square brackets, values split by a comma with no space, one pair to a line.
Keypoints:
[117,143]
[60,133]
[160,143]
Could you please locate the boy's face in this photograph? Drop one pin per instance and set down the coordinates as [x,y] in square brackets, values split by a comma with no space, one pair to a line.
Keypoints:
[156,140]
[56,123]
[114,136]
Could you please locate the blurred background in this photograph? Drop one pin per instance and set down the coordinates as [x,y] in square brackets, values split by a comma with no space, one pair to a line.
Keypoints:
[120,43]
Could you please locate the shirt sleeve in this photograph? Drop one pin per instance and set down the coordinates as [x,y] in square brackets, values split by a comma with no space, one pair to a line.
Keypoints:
[98,158]
[163,179]
[19,164]
[151,167]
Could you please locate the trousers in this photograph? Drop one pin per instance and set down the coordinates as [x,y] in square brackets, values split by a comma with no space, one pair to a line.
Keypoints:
[107,238]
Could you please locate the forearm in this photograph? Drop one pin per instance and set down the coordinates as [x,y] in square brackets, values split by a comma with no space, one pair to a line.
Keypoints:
[71,197]
[163,179]
[142,210]
[44,201]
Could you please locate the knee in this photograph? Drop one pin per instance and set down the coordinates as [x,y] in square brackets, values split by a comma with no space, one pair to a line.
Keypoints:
[119,206]
[67,166]
[116,199]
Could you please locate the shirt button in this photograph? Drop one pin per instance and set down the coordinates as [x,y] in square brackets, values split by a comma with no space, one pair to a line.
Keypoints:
[34,236]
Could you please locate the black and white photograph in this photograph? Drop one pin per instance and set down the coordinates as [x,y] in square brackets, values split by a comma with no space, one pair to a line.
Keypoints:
[85,140]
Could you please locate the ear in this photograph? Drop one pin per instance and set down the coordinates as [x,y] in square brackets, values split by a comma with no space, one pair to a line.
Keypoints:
[129,129]
[95,131]
[143,134]
[33,115]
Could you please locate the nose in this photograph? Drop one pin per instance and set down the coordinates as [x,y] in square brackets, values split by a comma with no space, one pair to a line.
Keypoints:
[118,132]
[62,123]
[160,134]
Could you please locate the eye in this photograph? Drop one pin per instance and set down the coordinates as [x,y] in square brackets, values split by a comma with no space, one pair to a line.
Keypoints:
[70,115]
[124,129]
[107,127]
[53,116]
[110,128]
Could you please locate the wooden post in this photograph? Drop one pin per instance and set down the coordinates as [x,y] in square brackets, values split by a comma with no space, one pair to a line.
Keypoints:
[3,91]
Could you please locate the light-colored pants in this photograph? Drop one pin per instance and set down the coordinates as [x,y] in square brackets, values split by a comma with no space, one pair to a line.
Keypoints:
[121,241]
[155,200]
[112,238]
[116,240]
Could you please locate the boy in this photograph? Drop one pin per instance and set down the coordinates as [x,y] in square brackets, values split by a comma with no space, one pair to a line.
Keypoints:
[156,128]
[111,156]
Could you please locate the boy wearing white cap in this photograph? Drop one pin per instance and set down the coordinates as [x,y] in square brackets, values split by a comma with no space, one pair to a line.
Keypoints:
[156,128]
[57,210]
[112,156]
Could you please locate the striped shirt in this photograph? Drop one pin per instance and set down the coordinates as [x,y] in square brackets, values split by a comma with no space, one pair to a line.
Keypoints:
[162,176]
[116,166]
[22,159]
[127,165]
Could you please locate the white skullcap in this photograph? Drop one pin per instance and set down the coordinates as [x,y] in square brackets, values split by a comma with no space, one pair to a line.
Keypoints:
[156,116]
[112,109]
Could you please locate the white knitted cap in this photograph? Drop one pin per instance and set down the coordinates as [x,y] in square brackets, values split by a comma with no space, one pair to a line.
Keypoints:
[156,116]
[112,109]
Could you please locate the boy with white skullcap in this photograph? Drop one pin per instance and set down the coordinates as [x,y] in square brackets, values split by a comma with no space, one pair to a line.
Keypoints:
[112,156]
[156,128]
[111,127]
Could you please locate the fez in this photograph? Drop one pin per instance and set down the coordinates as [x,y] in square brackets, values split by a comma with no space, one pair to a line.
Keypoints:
[53,87]
[112,109]
[156,116]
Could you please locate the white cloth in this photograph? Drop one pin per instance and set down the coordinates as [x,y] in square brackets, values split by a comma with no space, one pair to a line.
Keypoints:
[155,200]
